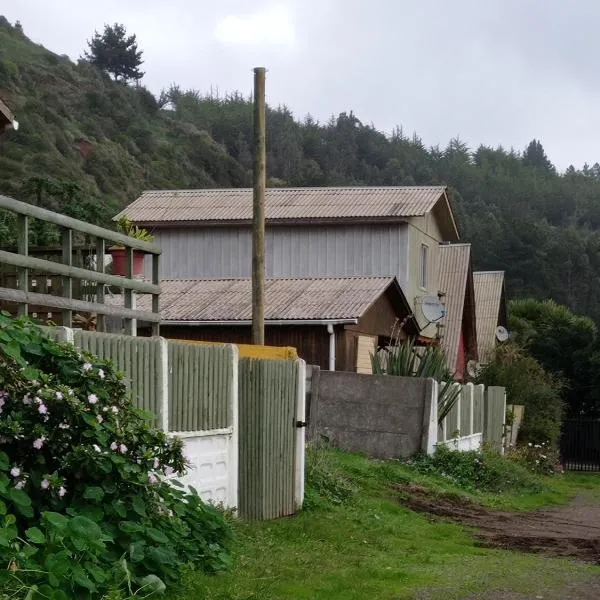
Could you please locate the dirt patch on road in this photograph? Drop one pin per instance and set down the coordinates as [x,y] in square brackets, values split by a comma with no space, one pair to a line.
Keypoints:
[572,531]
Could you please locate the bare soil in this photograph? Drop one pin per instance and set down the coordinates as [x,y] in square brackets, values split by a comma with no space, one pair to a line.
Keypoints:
[571,531]
[566,531]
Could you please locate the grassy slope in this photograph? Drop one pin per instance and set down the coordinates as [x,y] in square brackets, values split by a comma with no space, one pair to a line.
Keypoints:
[375,548]
[135,145]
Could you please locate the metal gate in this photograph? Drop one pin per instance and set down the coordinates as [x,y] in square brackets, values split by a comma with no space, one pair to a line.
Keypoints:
[580,444]
[271,446]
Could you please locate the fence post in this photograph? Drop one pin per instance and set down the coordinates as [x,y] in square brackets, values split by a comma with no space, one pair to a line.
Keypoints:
[235,431]
[469,388]
[300,434]
[162,384]
[65,334]
[430,417]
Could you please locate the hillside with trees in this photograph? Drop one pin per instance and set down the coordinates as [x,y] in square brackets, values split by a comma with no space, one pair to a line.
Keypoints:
[88,145]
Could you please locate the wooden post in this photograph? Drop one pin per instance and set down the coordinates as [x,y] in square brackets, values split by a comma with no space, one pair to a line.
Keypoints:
[100,252]
[130,324]
[23,248]
[67,282]
[258,215]
[155,297]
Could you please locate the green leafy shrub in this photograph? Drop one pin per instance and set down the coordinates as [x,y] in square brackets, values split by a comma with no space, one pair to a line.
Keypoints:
[528,384]
[326,483]
[543,458]
[85,502]
[483,470]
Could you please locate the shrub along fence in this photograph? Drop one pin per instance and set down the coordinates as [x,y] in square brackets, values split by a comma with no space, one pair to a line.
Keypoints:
[241,420]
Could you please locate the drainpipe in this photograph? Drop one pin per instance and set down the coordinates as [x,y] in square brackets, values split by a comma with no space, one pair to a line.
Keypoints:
[331,332]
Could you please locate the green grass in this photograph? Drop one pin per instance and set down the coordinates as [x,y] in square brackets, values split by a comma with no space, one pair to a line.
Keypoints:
[371,547]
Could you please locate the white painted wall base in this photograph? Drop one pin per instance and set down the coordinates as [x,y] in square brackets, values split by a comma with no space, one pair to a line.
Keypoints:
[214,470]
[464,444]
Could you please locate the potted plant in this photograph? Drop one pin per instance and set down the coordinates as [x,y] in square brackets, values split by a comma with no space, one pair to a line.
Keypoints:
[119,253]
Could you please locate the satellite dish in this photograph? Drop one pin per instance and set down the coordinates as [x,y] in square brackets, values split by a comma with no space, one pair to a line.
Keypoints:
[501,333]
[473,368]
[432,308]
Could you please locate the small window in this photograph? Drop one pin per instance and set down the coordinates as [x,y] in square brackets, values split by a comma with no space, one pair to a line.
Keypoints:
[424,259]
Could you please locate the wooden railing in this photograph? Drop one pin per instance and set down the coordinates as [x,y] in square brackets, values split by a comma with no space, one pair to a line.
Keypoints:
[66,303]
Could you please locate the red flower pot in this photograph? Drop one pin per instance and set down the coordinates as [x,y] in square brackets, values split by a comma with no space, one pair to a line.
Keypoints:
[119,261]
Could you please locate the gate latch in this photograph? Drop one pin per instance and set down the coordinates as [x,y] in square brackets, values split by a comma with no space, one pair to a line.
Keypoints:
[300,424]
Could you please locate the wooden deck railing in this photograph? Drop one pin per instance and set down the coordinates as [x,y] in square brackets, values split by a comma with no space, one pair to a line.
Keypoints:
[66,303]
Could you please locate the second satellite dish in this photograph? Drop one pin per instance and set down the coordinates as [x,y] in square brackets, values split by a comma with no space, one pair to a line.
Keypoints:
[432,308]
[501,333]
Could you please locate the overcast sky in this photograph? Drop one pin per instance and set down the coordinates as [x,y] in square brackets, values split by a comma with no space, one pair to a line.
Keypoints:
[498,72]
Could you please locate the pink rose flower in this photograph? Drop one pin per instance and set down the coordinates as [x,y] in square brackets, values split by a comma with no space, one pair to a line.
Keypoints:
[38,444]
[45,484]
[15,471]
[92,399]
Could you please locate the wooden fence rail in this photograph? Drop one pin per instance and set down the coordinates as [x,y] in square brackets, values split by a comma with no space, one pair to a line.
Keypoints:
[22,296]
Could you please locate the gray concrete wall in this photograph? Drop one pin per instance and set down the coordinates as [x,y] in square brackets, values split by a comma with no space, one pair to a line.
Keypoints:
[383,416]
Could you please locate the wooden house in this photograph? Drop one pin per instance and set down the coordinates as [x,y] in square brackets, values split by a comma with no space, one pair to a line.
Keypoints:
[335,323]
[310,232]
[7,119]
[459,331]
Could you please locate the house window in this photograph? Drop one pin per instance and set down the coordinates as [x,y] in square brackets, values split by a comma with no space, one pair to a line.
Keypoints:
[424,265]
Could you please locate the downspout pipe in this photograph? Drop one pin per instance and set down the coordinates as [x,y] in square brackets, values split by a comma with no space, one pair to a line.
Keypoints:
[331,332]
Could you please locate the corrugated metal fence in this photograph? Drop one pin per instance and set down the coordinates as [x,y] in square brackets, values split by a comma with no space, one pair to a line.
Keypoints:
[268,406]
[200,387]
[138,358]
[238,418]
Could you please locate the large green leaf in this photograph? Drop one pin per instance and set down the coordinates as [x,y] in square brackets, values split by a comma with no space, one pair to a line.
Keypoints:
[35,535]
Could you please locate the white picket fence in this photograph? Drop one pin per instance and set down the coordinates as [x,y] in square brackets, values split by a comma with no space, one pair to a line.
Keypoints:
[478,417]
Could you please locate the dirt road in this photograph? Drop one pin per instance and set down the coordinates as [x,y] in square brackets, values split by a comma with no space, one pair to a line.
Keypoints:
[568,531]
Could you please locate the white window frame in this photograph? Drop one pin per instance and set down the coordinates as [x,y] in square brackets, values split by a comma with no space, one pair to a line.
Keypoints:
[424,267]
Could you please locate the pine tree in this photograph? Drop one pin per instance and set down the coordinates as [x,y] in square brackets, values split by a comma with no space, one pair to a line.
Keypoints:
[116,53]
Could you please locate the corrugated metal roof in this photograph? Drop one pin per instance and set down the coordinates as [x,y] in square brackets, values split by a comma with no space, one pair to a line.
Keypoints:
[455,260]
[234,205]
[285,299]
[489,288]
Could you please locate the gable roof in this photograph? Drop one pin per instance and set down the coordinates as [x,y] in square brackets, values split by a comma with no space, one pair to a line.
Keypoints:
[490,309]
[229,301]
[6,116]
[455,277]
[290,205]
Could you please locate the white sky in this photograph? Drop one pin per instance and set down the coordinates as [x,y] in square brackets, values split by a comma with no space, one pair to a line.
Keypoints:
[498,72]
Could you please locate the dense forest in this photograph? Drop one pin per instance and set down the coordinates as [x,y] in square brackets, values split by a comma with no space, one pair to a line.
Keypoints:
[88,145]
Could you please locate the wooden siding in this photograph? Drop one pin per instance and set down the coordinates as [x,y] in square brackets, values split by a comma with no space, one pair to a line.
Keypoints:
[301,251]
[311,341]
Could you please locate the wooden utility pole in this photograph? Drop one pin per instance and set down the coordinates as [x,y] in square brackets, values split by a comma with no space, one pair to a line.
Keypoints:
[258,214]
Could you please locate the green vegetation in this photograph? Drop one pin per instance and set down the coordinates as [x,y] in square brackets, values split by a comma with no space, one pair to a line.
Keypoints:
[528,384]
[356,541]
[85,507]
[479,471]
[565,344]
[116,53]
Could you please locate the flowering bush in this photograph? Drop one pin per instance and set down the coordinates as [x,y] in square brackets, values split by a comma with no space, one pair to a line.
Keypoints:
[540,458]
[84,504]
